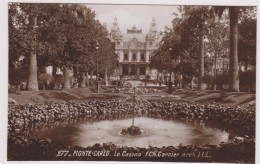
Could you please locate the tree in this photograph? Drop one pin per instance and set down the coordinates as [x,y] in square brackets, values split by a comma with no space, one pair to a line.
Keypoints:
[189,27]
[68,38]
[187,67]
[162,59]
[233,57]
[16,49]
[248,81]
[26,23]
[77,24]
[233,65]
[60,35]
[18,67]
[208,79]
[217,44]
[247,42]
[107,58]
[28,20]
[197,17]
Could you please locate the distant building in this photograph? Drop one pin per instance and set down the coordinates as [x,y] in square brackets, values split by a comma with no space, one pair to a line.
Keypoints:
[49,70]
[134,50]
[221,67]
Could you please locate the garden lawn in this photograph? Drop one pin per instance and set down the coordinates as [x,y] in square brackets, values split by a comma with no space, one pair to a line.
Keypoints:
[204,97]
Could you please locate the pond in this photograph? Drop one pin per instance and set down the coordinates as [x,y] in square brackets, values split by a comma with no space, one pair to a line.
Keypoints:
[155,132]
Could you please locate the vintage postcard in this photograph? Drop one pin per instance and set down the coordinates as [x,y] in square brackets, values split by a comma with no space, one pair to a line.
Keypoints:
[131,82]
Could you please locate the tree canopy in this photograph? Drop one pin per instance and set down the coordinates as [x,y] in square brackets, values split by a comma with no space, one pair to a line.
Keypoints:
[60,35]
[197,26]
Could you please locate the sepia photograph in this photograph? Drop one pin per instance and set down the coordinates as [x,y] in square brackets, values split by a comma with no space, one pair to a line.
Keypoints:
[131,82]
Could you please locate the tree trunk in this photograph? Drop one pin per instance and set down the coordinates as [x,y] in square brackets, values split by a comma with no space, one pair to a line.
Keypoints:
[175,80]
[233,58]
[32,78]
[162,77]
[67,78]
[54,70]
[215,74]
[170,83]
[75,72]
[184,81]
[246,65]
[83,80]
[91,77]
[158,74]
[201,86]
[191,83]
[75,80]
[87,80]
[105,77]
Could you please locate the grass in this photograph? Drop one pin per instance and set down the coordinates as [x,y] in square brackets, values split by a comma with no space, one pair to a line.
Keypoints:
[208,96]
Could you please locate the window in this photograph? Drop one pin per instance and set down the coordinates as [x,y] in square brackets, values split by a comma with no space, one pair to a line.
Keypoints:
[142,69]
[150,56]
[133,69]
[125,69]
[118,43]
[134,57]
[142,56]
[125,56]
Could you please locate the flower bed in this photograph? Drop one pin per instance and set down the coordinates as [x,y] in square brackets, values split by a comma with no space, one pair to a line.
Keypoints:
[237,120]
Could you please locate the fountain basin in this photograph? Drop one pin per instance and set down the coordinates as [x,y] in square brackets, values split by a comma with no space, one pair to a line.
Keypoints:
[154,132]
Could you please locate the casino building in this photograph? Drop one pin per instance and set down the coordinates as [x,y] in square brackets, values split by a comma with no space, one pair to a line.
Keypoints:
[134,50]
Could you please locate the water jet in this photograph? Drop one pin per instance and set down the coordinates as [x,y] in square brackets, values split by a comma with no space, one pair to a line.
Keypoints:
[133,130]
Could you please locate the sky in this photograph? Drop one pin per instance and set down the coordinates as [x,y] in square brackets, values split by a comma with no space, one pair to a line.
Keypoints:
[139,15]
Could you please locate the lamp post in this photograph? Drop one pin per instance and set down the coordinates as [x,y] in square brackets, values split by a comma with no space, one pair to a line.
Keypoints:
[97,87]
[215,73]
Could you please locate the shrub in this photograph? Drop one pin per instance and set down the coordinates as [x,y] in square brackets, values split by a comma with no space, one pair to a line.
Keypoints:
[222,79]
[45,80]
[59,80]
[208,79]
[16,76]
[247,81]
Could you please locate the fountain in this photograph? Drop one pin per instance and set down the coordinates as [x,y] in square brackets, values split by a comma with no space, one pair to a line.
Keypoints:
[129,124]
[134,130]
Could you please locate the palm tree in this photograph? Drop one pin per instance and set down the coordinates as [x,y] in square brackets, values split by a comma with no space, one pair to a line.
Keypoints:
[233,39]
[195,17]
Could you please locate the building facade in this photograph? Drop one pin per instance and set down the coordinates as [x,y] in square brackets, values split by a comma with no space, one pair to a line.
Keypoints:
[221,66]
[134,50]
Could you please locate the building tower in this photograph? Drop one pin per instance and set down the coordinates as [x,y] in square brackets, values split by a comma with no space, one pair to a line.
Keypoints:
[116,35]
[152,36]
[134,50]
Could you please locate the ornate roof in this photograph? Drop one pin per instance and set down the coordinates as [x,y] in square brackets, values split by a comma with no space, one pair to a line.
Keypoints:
[139,37]
[134,33]
[134,30]
[115,27]
[153,27]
